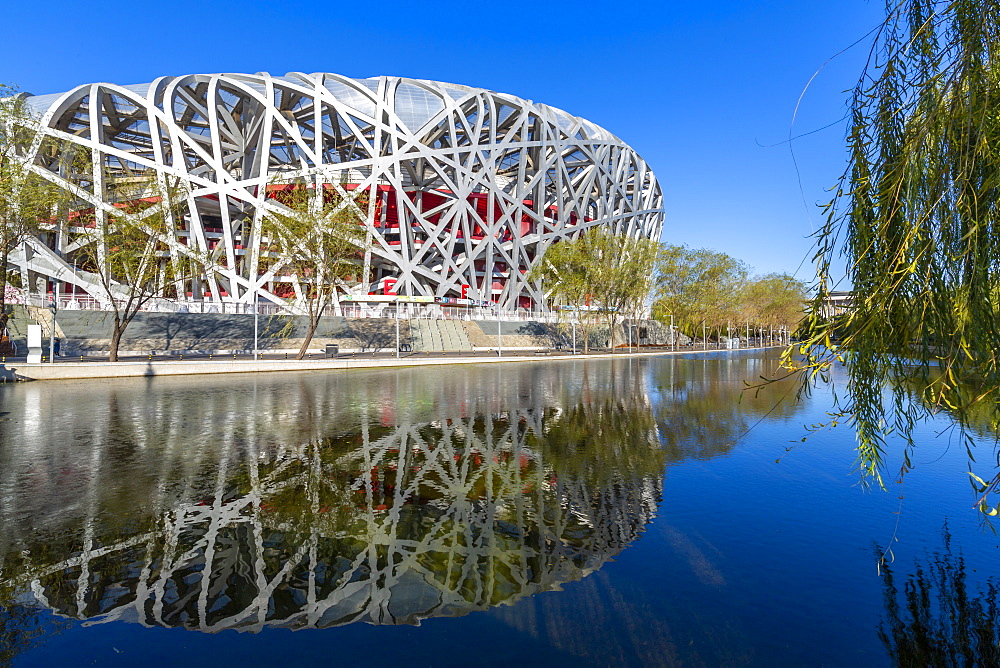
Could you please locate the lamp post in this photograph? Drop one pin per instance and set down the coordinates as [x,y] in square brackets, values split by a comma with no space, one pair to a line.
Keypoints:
[499,341]
[256,309]
[397,327]
[673,334]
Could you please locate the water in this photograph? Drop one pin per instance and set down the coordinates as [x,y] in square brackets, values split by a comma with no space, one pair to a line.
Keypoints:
[626,511]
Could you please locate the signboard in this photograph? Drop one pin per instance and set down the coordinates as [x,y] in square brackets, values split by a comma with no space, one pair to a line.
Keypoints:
[383,299]
[34,344]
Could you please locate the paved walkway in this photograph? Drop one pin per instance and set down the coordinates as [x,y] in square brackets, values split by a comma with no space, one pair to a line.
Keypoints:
[76,368]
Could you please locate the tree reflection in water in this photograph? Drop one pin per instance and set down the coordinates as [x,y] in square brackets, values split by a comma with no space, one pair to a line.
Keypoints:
[374,497]
[704,406]
[938,621]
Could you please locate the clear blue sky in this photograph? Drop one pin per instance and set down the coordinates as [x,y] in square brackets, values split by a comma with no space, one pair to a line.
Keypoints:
[703,91]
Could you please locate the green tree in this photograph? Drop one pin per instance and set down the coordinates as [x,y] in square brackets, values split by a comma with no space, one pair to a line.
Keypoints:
[564,271]
[318,238]
[916,215]
[698,286]
[27,200]
[774,301]
[624,275]
[601,275]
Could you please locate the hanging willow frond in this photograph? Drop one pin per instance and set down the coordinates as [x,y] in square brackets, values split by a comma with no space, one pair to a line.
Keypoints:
[916,216]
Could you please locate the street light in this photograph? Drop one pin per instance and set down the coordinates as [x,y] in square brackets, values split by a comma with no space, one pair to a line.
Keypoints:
[499,343]
[256,309]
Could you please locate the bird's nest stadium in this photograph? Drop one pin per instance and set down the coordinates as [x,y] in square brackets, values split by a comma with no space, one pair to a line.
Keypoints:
[465,188]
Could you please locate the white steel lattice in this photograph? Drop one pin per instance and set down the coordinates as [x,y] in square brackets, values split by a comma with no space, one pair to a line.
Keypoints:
[434,519]
[465,187]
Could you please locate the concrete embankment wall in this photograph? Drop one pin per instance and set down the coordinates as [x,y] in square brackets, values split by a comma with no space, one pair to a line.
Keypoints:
[89,333]
[14,371]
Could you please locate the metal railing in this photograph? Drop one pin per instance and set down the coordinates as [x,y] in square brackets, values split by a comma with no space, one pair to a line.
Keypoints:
[408,310]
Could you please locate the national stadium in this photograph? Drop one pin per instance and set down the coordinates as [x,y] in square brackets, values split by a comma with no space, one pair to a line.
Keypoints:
[465,188]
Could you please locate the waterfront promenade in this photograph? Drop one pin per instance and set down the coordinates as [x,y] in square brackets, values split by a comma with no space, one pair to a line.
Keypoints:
[17,369]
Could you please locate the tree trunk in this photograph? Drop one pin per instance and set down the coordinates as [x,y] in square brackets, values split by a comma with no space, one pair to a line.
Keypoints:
[3,287]
[117,330]
[310,331]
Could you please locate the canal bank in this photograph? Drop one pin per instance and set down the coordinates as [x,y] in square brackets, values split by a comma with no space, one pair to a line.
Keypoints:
[149,368]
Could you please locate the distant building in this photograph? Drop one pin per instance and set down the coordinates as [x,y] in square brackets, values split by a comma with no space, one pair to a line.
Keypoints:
[465,187]
[837,303]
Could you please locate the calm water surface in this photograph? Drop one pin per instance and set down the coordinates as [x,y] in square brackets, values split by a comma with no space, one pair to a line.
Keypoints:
[627,511]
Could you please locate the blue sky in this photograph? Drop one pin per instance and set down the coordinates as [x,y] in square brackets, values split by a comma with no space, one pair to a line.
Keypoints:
[705,92]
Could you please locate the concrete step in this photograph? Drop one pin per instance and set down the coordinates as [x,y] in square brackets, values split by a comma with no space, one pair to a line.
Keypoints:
[440,335]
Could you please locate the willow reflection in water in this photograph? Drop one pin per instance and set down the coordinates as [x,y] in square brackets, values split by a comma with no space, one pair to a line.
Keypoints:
[379,497]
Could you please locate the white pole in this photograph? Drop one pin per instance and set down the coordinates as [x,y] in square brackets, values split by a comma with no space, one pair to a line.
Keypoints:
[673,334]
[704,335]
[397,329]
[52,339]
[574,335]
[499,343]
[256,308]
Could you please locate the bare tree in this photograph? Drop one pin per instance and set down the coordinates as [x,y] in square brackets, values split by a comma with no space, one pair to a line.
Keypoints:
[127,248]
[317,238]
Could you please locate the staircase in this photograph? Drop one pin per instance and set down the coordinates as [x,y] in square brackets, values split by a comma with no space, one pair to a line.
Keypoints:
[439,336]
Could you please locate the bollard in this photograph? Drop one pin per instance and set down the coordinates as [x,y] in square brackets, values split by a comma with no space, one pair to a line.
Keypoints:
[81,358]
[286,355]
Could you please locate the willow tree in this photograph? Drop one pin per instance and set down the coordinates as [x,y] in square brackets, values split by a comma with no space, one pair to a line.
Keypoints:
[27,201]
[317,237]
[916,215]
[601,275]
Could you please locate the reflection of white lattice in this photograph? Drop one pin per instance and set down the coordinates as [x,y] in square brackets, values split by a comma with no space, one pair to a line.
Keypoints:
[466,187]
[474,518]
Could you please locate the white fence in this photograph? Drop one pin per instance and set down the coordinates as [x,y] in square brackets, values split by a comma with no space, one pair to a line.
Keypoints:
[407,310]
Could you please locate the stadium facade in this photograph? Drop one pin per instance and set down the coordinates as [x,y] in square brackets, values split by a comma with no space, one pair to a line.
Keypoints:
[464,188]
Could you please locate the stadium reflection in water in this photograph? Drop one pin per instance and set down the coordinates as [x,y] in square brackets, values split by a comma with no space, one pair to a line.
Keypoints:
[317,501]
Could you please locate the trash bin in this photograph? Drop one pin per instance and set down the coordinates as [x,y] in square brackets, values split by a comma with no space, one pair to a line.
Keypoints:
[332,349]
